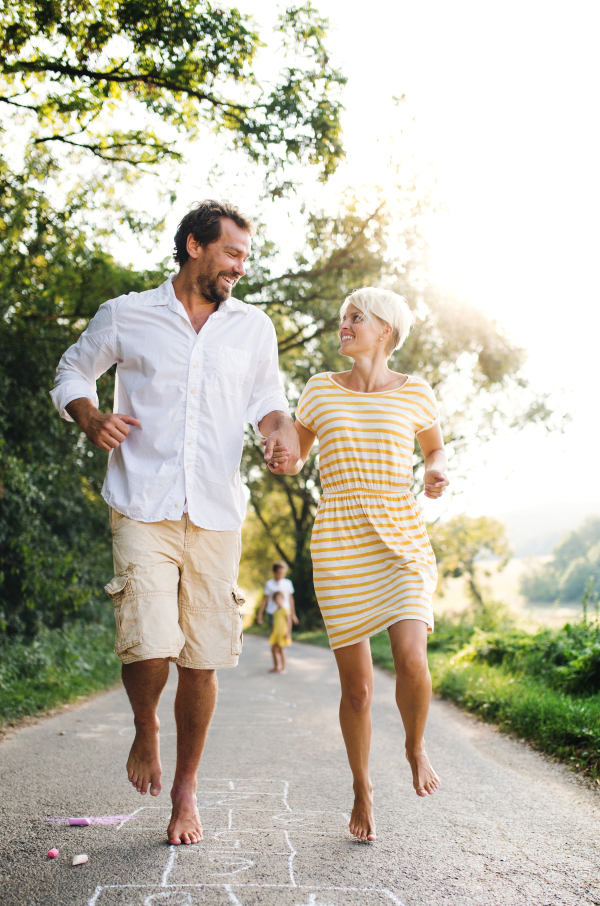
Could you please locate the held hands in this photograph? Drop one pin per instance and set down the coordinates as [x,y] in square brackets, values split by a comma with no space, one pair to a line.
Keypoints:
[282,449]
[435,482]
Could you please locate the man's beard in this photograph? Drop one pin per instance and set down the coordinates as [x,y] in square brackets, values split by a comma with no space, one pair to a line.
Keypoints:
[212,290]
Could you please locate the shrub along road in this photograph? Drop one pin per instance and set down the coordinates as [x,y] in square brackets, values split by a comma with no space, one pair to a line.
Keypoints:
[507,827]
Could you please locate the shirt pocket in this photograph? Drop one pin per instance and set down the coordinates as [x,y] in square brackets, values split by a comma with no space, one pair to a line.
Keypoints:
[235,369]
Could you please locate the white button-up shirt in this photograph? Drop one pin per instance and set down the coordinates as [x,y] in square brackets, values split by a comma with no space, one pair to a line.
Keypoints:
[192,393]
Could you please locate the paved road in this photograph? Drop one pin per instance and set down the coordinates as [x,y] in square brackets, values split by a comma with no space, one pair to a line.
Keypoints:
[506,828]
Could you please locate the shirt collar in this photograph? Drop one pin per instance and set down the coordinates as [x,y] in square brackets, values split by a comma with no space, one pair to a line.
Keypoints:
[165,295]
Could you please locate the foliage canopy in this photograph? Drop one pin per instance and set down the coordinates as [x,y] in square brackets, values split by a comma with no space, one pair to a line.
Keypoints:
[81,70]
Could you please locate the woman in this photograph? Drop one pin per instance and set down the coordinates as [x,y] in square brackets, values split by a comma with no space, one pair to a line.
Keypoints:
[374,568]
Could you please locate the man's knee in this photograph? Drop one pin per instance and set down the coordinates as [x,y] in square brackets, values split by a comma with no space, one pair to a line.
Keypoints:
[196,676]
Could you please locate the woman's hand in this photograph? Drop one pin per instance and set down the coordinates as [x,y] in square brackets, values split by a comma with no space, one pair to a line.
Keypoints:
[435,482]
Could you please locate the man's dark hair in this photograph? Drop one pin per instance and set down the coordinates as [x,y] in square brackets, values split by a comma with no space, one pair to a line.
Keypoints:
[204,223]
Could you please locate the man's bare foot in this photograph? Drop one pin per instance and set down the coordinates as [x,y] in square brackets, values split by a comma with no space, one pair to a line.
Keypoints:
[143,765]
[184,826]
[425,780]
[362,822]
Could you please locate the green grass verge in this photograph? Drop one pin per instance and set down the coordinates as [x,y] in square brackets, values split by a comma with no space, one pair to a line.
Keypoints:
[57,667]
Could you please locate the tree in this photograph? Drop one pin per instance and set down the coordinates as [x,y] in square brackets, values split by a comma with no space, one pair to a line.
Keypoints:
[460,541]
[54,538]
[575,560]
[94,96]
[467,358]
[78,71]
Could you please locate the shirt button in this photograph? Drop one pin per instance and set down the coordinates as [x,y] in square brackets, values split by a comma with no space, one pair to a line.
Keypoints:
[193,391]
[176,506]
[191,418]
[189,443]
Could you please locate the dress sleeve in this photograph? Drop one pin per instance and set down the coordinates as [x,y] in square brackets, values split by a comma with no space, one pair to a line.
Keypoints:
[426,409]
[305,407]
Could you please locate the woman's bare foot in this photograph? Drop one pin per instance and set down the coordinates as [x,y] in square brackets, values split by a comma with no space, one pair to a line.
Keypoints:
[184,826]
[143,765]
[362,822]
[425,780]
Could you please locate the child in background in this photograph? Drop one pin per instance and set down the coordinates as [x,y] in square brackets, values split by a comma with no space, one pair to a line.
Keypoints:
[281,636]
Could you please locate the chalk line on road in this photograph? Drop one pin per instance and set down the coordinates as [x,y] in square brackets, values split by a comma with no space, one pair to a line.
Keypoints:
[248,846]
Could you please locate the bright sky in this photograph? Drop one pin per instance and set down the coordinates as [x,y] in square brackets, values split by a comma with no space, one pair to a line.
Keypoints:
[503,100]
[501,107]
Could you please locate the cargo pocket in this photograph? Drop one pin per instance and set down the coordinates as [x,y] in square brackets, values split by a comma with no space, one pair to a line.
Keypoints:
[120,589]
[237,635]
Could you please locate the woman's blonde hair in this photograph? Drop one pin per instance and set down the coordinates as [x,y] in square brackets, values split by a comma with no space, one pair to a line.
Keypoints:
[387,307]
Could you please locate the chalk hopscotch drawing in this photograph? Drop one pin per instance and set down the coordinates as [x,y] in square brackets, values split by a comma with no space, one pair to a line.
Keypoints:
[251,841]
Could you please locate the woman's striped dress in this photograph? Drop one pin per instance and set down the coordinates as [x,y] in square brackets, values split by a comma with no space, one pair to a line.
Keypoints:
[372,560]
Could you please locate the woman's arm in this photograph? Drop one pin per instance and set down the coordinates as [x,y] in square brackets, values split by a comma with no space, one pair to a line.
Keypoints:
[432,445]
[307,439]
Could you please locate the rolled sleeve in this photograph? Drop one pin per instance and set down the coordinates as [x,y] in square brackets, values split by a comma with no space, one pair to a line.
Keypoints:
[267,393]
[84,362]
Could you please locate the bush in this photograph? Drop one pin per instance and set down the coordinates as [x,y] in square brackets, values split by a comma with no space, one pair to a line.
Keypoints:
[56,667]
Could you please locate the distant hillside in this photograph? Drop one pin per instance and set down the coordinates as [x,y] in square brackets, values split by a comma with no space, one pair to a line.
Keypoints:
[534,530]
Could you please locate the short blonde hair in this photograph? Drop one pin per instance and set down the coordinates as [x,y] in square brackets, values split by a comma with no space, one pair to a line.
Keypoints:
[387,307]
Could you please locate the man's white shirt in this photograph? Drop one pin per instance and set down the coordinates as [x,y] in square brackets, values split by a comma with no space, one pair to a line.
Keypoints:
[284,586]
[192,393]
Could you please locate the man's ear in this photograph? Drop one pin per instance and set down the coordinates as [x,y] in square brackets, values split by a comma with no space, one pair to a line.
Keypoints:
[193,246]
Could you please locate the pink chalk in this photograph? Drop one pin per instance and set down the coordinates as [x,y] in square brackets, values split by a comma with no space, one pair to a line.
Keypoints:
[103,819]
[53,853]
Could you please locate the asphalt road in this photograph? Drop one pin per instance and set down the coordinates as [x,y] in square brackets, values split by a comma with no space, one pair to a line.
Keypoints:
[507,827]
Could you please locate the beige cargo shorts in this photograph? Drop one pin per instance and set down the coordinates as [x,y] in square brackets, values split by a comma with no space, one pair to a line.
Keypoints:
[175,592]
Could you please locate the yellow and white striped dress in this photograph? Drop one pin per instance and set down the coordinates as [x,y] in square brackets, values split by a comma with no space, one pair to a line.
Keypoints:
[372,561]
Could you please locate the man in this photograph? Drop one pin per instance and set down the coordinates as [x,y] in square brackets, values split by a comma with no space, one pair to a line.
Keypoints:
[192,365]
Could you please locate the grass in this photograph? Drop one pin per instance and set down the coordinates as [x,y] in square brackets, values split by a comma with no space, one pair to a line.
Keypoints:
[57,667]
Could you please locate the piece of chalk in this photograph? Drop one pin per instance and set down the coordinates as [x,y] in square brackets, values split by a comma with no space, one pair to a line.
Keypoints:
[79,822]
[53,853]
[80,860]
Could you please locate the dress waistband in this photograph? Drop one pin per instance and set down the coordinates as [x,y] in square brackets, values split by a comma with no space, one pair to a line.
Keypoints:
[365,492]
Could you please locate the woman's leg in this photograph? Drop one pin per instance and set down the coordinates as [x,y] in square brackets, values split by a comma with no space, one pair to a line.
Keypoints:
[413,694]
[356,678]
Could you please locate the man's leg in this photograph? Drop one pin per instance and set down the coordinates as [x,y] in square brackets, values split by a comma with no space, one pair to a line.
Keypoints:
[194,707]
[144,682]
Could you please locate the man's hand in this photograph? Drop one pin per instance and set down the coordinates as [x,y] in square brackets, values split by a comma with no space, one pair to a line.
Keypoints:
[105,430]
[435,482]
[281,443]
